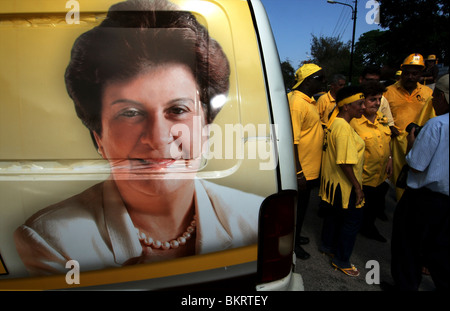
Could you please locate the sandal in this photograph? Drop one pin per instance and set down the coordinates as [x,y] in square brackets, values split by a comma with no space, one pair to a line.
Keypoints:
[352,271]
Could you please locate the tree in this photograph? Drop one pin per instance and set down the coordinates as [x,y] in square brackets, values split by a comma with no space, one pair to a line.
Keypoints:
[370,49]
[415,26]
[331,54]
[288,74]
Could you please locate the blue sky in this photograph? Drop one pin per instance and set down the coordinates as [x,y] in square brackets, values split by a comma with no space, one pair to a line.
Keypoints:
[293,22]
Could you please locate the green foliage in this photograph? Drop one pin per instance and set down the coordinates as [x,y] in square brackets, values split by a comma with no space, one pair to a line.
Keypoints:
[327,52]
[331,54]
[288,74]
[414,26]
[410,26]
[369,49]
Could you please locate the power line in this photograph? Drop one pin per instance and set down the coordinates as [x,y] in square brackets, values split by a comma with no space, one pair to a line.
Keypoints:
[337,23]
[343,21]
[345,28]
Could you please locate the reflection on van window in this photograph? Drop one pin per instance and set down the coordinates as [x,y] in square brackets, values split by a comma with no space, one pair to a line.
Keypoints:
[145,71]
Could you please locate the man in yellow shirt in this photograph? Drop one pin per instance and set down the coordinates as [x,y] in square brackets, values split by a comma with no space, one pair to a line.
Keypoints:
[326,103]
[308,139]
[406,99]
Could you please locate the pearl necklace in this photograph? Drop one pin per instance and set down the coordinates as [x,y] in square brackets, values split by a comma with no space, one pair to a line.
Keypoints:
[181,240]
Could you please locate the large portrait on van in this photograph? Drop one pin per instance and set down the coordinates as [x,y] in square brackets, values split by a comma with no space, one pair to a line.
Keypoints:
[145,83]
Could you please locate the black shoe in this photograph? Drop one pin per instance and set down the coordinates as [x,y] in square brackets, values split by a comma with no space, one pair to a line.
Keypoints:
[301,253]
[302,240]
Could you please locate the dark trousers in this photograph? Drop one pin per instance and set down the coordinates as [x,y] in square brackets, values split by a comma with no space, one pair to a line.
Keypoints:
[340,228]
[374,205]
[420,237]
[302,204]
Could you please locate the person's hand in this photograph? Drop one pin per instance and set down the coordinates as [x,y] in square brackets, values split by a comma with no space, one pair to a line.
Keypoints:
[389,167]
[301,181]
[359,196]
[394,131]
[411,138]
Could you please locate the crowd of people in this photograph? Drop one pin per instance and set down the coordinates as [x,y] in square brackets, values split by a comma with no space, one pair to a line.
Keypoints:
[355,142]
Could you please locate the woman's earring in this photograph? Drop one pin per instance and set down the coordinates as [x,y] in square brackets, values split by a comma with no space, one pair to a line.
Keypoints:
[100,151]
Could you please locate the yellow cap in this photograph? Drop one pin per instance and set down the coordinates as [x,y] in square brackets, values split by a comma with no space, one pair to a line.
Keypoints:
[303,72]
[431,57]
[415,59]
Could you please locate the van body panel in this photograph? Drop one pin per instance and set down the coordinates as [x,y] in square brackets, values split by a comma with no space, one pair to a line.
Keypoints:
[47,155]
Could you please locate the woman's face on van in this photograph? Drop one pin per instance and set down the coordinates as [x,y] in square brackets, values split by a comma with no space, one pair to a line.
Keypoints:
[152,123]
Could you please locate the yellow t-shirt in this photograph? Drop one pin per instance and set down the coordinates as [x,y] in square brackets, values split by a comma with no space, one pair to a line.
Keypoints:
[325,104]
[377,138]
[308,133]
[343,146]
[405,107]
[426,113]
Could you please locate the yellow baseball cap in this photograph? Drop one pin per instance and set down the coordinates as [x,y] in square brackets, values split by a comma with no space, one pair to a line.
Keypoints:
[303,72]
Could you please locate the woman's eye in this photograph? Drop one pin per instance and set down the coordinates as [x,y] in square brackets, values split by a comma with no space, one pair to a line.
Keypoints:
[131,113]
[178,110]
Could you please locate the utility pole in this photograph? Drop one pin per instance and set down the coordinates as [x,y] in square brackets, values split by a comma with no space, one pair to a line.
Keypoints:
[354,12]
[353,41]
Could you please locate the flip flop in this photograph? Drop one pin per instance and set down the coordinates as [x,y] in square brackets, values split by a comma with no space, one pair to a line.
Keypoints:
[352,271]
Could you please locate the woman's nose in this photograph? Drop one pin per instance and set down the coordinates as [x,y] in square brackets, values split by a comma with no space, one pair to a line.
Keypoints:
[156,133]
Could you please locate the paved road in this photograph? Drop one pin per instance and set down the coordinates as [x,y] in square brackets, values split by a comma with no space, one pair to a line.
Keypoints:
[317,273]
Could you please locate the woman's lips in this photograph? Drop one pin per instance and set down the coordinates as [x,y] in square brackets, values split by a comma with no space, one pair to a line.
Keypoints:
[154,164]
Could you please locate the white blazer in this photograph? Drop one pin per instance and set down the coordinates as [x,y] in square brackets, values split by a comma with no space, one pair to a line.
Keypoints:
[95,228]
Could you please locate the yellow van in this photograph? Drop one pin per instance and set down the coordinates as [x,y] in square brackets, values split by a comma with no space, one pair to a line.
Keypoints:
[144,144]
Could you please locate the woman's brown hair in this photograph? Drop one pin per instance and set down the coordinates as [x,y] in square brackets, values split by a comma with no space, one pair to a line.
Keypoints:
[136,36]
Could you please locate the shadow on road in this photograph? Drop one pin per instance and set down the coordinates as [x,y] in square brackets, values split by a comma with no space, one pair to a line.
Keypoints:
[319,275]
